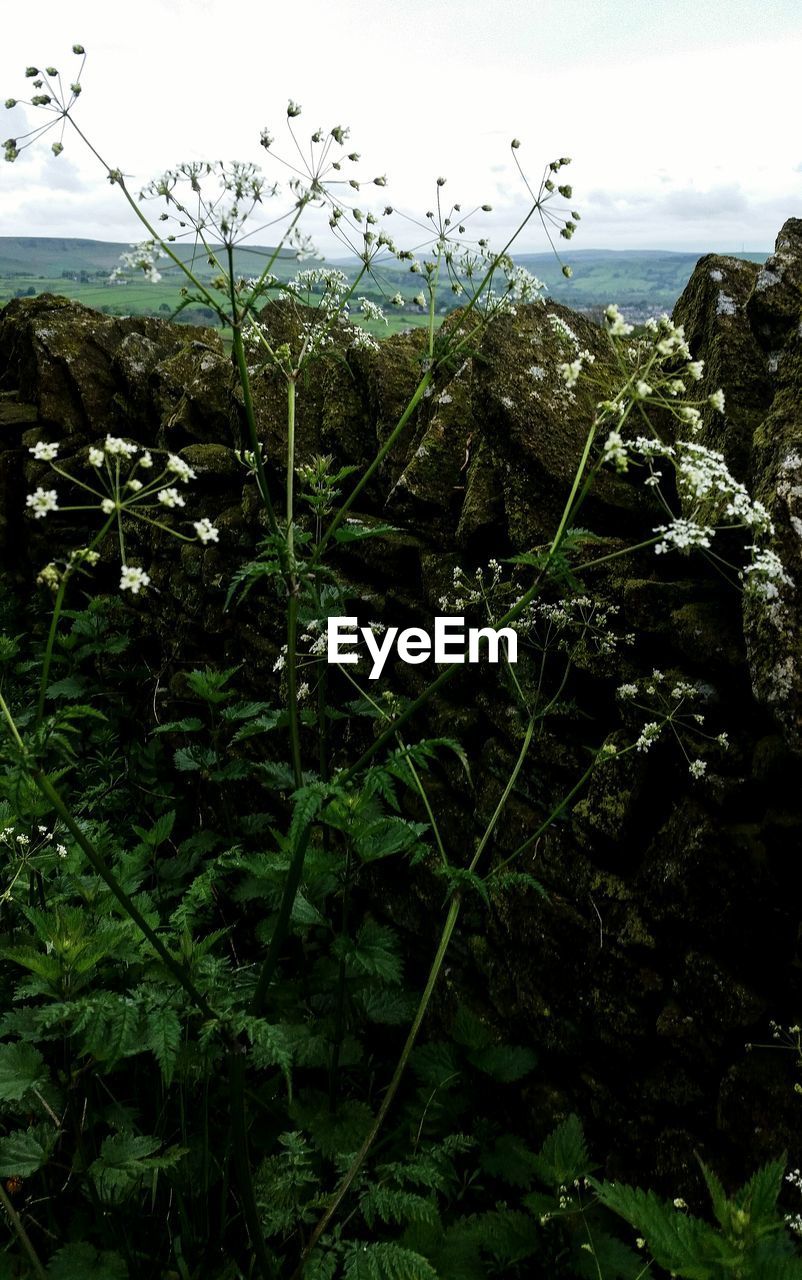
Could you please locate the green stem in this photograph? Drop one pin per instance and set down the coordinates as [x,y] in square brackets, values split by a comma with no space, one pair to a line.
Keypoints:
[282,922]
[423,1005]
[242,1165]
[392,1088]
[51,640]
[22,1234]
[377,461]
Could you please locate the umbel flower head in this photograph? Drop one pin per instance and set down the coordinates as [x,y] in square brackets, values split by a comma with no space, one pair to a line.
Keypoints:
[117,491]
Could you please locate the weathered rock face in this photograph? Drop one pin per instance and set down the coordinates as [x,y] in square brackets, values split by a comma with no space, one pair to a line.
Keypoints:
[669,934]
[744,321]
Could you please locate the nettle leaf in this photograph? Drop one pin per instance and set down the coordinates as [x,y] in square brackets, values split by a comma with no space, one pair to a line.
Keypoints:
[85,1262]
[504,1062]
[125,1160]
[563,1156]
[211,685]
[69,687]
[510,1160]
[759,1196]
[374,951]
[190,724]
[358,531]
[335,1134]
[387,836]
[678,1241]
[22,1067]
[22,1153]
[159,832]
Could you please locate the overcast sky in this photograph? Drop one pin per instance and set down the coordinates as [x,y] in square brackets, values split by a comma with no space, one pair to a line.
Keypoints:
[682,116]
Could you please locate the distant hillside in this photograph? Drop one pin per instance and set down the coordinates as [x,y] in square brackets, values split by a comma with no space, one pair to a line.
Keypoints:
[642,282]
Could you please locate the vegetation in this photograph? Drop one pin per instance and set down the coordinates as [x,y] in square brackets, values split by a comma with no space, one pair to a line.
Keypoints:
[218,1060]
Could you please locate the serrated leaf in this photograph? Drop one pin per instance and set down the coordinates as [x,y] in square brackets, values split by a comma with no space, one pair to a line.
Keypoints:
[21,1068]
[85,1262]
[21,1154]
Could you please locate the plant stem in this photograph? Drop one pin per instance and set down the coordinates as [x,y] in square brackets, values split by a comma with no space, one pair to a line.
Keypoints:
[22,1234]
[51,640]
[377,461]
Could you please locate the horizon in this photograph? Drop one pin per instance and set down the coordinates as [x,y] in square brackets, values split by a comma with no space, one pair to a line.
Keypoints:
[669,149]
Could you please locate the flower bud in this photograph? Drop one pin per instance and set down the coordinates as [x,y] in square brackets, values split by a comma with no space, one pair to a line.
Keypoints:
[515,144]
[380,182]
[567,272]
[293,109]
[487,208]
[78,48]
[31,71]
[11,102]
[51,71]
[57,148]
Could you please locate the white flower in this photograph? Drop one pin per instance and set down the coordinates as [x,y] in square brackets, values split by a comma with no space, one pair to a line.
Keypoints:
[695,369]
[119,447]
[616,324]
[683,534]
[679,1203]
[133,579]
[717,400]
[615,451]
[569,372]
[42,501]
[170,498]
[419,299]
[180,468]
[61,850]
[146,460]
[642,389]
[44,452]
[135,484]
[627,691]
[108,505]
[206,530]
[649,733]
[697,768]
[96,457]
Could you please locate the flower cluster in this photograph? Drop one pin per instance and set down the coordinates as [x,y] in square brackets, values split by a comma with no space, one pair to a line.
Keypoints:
[27,853]
[119,490]
[672,704]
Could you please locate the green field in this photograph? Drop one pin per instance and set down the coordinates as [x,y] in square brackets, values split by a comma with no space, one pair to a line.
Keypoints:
[643,282]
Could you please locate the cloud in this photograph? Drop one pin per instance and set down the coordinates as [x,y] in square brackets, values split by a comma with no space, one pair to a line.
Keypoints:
[691,204]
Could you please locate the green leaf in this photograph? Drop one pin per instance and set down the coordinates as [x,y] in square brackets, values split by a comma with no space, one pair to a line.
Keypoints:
[163,1038]
[563,1156]
[358,532]
[85,1262]
[22,1067]
[385,1262]
[211,685]
[504,1062]
[21,1154]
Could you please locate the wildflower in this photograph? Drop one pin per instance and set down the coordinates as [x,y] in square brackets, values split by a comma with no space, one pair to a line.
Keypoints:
[118,447]
[180,468]
[206,531]
[107,506]
[679,1203]
[569,372]
[136,485]
[642,389]
[146,460]
[716,400]
[694,369]
[170,498]
[44,452]
[615,451]
[96,457]
[683,534]
[419,299]
[61,850]
[133,579]
[617,326]
[697,769]
[649,733]
[42,501]
[627,691]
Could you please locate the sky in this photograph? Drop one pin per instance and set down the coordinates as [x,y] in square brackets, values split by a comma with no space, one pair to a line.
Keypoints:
[681,116]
